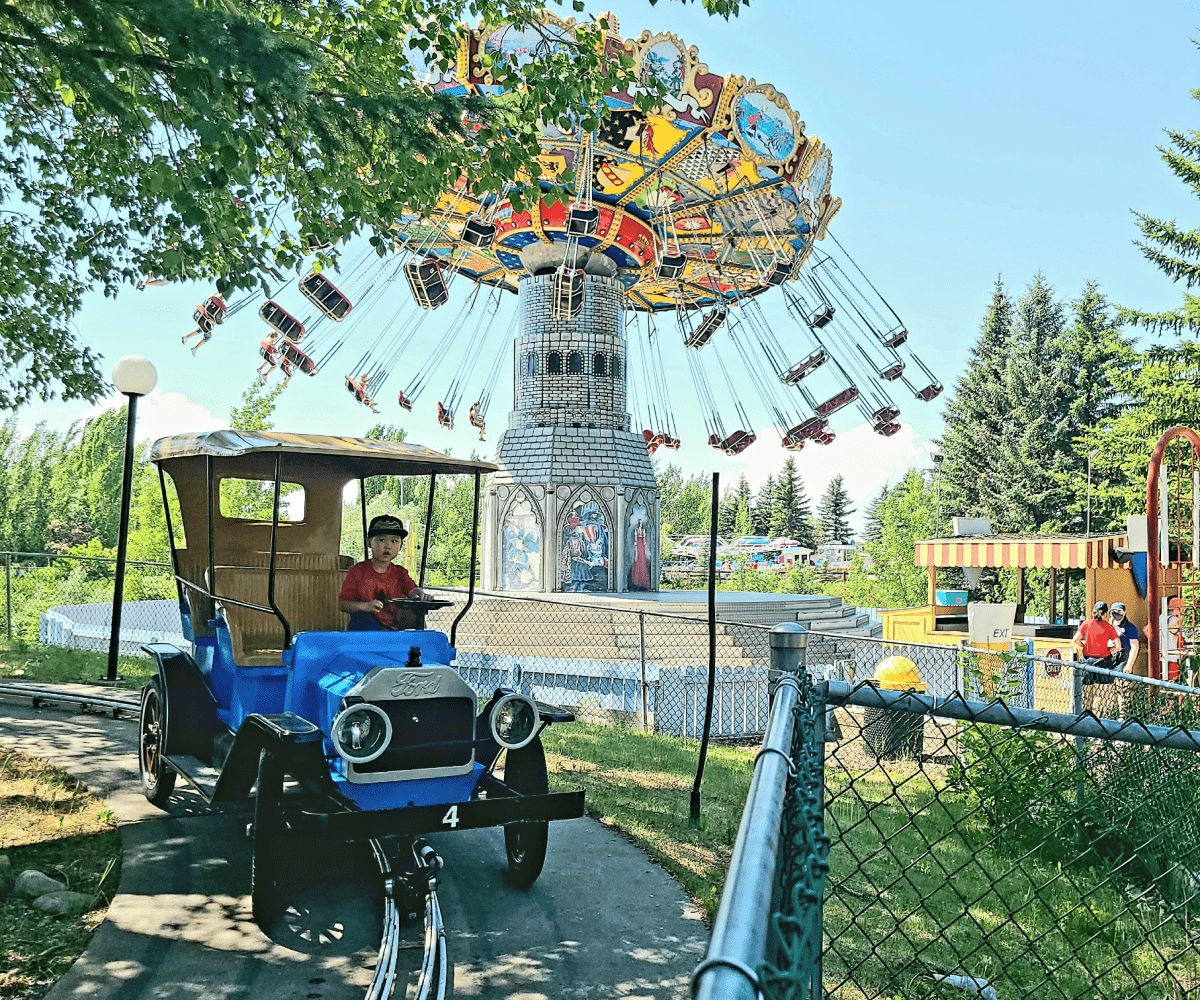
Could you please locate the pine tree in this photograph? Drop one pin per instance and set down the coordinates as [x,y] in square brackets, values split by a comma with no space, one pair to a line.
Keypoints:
[834,511]
[763,507]
[727,513]
[873,528]
[975,418]
[792,513]
[1174,251]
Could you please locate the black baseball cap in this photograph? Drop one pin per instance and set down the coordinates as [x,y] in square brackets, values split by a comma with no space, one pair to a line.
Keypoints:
[386,524]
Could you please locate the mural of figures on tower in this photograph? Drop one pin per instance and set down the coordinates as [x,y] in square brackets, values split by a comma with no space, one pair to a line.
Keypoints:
[640,544]
[584,556]
[522,549]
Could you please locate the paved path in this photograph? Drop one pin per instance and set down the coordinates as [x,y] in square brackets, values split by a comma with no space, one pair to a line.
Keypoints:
[602,922]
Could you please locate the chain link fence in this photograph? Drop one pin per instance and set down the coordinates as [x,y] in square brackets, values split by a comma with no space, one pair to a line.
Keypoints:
[941,846]
[66,600]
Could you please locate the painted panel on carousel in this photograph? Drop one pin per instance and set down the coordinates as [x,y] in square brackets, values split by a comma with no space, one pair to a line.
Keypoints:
[766,124]
[640,542]
[584,554]
[522,549]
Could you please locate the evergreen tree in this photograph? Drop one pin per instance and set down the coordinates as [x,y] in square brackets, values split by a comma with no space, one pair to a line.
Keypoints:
[792,514]
[763,508]
[975,418]
[727,514]
[834,511]
[744,500]
[873,528]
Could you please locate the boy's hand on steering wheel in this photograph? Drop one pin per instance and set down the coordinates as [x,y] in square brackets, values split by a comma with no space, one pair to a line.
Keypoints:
[374,605]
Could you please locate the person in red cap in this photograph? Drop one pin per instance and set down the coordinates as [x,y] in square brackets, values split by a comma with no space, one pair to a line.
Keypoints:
[1097,641]
[372,583]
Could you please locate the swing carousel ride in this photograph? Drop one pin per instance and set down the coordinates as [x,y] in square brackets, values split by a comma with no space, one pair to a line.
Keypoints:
[698,209]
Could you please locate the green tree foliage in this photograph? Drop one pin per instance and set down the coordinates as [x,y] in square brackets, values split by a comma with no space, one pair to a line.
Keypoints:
[727,512]
[243,497]
[873,526]
[215,140]
[791,515]
[834,511]
[763,508]
[884,574]
[685,505]
[1040,379]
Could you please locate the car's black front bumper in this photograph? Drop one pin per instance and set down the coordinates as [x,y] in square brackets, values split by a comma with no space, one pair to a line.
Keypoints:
[470,815]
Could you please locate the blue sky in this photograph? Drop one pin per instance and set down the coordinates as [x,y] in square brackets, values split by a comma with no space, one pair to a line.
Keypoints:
[968,141]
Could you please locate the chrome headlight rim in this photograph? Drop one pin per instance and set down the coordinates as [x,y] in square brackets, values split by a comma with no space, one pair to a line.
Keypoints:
[379,714]
[504,742]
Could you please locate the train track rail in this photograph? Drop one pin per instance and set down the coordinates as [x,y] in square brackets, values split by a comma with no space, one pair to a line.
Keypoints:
[434,981]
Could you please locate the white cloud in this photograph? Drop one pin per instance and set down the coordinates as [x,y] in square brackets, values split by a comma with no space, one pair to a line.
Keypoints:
[163,413]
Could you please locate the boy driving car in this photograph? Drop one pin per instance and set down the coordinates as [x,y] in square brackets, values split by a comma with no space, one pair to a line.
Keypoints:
[372,583]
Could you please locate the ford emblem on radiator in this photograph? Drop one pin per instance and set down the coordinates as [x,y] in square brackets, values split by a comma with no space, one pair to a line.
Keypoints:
[425,684]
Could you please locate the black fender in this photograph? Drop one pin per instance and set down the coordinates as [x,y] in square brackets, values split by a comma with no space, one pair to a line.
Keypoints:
[191,708]
[486,748]
[294,742]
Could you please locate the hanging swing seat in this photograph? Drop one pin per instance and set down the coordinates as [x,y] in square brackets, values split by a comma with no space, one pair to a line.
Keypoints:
[445,417]
[893,371]
[582,220]
[780,272]
[295,357]
[478,234]
[212,310]
[930,392]
[710,323]
[653,441]
[835,403]
[281,321]
[806,429]
[896,336]
[269,351]
[820,316]
[427,282]
[886,429]
[567,291]
[885,415]
[475,419]
[671,267]
[733,444]
[358,389]
[671,443]
[405,402]
[825,438]
[805,367]
[324,294]
[792,443]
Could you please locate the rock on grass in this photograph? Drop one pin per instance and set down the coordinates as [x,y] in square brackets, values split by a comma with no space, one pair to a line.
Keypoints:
[63,902]
[32,883]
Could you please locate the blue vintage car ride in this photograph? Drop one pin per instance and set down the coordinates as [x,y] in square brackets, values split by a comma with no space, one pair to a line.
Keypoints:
[377,731]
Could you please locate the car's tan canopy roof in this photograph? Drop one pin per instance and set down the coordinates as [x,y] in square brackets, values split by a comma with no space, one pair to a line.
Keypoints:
[366,456]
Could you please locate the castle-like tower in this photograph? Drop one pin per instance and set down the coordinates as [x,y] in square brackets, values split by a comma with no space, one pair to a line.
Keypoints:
[574,506]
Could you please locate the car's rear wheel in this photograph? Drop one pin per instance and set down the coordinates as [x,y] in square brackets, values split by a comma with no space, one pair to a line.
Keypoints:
[266,859]
[158,778]
[525,843]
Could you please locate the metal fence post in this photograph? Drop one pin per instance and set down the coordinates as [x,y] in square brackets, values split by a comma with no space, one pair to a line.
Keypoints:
[789,652]
[8,591]
[1077,708]
[642,642]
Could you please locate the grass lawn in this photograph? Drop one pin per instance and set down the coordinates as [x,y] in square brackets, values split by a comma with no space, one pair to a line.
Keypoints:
[641,785]
[23,661]
[50,822]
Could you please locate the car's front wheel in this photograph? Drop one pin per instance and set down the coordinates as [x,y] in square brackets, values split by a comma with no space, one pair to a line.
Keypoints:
[525,843]
[158,778]
[266,859]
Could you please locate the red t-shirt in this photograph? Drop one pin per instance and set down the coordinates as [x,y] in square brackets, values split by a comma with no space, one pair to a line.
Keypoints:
[1095,633]
[363,583]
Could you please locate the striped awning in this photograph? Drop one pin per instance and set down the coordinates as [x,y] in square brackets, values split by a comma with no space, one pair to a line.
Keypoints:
[1028,551]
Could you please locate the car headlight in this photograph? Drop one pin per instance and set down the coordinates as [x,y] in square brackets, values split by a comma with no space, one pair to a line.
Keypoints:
[361,733]
[514,721]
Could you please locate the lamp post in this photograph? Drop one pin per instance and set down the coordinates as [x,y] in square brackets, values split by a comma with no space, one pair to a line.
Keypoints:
[936,457]
[1087,530]
[134,377]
